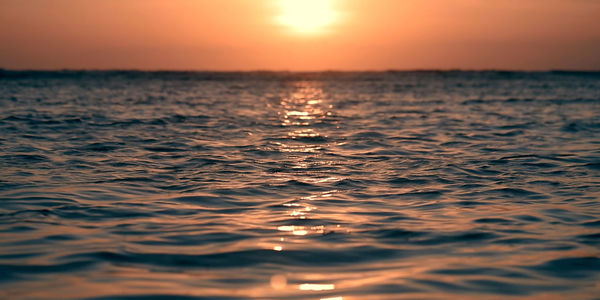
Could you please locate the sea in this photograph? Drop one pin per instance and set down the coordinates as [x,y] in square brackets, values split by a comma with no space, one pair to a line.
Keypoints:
[306,185]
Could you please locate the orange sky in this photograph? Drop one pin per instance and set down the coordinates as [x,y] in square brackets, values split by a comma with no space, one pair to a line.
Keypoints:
[250,35]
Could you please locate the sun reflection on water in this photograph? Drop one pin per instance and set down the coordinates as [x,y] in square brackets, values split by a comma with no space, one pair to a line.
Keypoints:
[304,145]
[316,287]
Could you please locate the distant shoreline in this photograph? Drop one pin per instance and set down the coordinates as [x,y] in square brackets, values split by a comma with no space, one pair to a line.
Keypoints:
[66,70]
[277,75]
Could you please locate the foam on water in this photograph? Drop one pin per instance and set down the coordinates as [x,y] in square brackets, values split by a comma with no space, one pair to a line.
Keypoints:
[387,185]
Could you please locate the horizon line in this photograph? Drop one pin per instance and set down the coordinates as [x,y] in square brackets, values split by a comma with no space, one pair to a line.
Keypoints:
[391,70]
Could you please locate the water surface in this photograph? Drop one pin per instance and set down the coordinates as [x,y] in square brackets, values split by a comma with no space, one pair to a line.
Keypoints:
[416,185]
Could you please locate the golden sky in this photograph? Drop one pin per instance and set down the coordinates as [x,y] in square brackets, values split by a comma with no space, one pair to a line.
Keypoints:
[300,34]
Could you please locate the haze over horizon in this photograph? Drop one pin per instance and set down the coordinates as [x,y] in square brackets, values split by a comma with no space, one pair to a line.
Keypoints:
[280,35]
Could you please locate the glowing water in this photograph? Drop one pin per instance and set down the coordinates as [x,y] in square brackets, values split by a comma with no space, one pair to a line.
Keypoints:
[299,186]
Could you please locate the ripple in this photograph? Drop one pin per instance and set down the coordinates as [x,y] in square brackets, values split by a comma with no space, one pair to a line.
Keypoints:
[571,267]
[262,185]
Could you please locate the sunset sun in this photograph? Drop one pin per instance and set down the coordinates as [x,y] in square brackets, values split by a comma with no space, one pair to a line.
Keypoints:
[307,16]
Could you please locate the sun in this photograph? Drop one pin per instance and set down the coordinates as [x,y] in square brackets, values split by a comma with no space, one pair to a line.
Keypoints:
[307,16]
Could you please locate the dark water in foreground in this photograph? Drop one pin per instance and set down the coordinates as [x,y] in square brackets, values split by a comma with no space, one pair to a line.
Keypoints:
[422,185]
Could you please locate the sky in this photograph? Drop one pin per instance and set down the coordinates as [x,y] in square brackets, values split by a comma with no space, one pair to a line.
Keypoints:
[300,35]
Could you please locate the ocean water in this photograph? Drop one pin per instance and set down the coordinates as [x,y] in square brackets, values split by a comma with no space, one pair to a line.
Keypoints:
[391,185]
